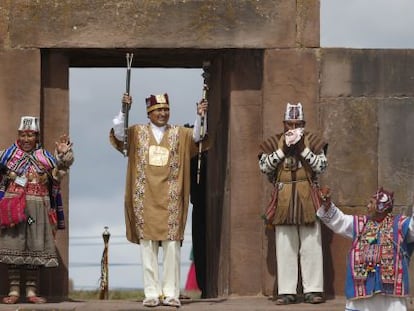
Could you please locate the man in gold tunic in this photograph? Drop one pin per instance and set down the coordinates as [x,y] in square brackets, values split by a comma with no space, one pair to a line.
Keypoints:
[157,192]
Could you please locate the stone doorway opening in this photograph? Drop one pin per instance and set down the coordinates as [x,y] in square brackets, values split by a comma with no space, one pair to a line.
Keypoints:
[55,112]
[97,180]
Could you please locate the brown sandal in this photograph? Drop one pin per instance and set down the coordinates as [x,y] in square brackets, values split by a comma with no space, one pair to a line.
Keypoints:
[314,298]
[11,300]
[36,299]
[286,299]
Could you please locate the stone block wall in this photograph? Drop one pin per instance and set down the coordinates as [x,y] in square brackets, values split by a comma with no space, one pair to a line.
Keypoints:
[367,115]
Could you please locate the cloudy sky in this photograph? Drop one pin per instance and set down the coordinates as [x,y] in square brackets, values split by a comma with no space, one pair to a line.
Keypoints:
[97,177]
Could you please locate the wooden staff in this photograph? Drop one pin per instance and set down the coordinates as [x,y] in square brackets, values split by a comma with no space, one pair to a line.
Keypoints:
[126,107]
[104,286]
[206,77]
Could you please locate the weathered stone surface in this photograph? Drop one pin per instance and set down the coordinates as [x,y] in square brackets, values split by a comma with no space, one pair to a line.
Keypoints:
[379,73]
[289,76]
[244,120]
[244,131]
[396,148]
[350,127]
[308,23]
[269,274]
[154,23]
[4,22]
[19,90]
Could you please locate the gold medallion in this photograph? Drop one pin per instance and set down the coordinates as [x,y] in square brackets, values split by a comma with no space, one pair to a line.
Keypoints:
[158,156]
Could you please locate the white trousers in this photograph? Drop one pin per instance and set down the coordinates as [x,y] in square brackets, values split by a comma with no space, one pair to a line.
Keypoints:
[304,241]
[170,286]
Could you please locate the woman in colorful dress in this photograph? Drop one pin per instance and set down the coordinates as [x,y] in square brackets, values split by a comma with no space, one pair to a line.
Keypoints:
[30,207]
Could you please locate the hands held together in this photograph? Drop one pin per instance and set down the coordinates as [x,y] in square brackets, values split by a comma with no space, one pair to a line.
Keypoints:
[294,149]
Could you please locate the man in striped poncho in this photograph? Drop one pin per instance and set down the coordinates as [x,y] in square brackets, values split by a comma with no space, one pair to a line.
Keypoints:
[292,160]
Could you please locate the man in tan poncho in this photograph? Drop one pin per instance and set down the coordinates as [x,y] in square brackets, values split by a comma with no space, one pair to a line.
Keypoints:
[292,160]
[157,192]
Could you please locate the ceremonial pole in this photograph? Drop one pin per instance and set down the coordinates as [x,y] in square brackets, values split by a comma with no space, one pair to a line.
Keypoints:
[104,286]
[204,97]
[126,107]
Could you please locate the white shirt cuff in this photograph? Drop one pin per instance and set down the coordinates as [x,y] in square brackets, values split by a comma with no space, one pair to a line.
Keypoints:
[118,125]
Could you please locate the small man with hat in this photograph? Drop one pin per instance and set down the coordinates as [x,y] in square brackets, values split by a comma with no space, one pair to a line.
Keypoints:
[292,161]
[157,191]
[377,273]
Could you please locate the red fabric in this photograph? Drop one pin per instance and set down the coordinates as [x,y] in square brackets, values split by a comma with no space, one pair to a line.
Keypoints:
[12,211]
[191,283]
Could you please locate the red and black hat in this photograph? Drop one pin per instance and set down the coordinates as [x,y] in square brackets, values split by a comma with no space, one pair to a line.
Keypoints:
[157,101]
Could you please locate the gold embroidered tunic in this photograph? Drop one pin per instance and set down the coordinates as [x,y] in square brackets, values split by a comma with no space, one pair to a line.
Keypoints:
[157,182]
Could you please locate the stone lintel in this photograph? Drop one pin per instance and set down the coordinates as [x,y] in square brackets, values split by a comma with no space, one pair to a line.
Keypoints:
[163,23]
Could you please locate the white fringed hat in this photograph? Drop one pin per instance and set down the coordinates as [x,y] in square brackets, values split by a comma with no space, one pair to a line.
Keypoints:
[28,123]
[294,112]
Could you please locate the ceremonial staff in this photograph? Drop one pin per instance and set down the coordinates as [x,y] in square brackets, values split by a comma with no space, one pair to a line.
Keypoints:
[126,107]
[206,77]
[104,286]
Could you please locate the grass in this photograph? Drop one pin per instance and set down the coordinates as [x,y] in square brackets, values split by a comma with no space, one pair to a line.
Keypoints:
[121,294]
[112,294]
